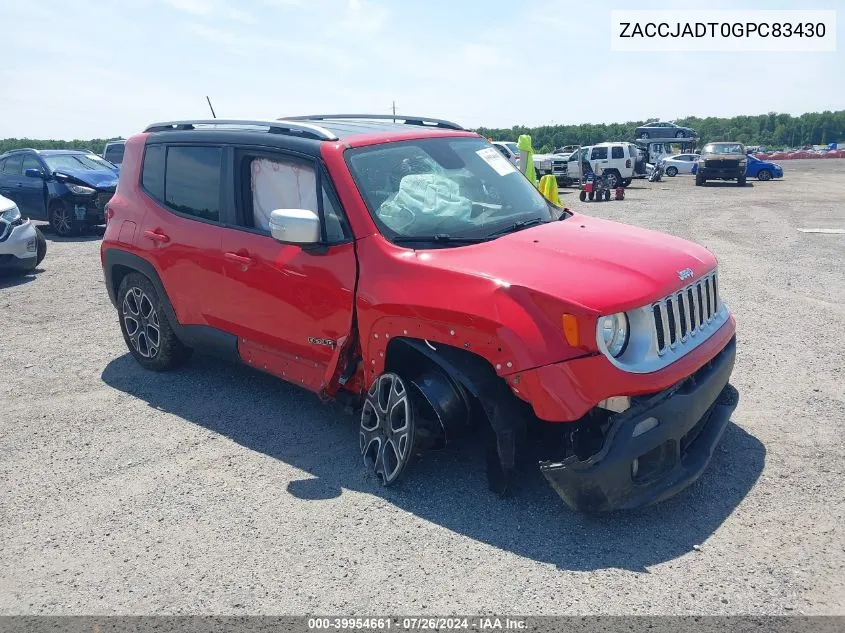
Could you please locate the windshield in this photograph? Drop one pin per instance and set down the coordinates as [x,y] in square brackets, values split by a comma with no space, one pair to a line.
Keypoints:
[723,148]
[455,187]
[91,162]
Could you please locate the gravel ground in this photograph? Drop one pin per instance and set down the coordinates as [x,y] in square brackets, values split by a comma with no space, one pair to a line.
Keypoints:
[218,489]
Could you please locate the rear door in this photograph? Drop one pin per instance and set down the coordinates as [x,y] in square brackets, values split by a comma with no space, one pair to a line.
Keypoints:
[10,180]
[33,189]
[290,305]
[181,229]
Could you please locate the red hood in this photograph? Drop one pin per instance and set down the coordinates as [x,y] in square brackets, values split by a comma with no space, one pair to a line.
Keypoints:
[504,299]
[596,264]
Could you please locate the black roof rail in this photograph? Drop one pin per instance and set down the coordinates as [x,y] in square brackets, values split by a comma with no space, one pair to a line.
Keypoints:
[281,126]
[20,149]
[407,120]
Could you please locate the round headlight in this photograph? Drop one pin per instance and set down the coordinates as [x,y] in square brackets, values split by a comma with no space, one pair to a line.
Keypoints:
[614,331]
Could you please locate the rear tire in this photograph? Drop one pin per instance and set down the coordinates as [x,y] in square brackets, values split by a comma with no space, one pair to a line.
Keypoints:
[606,195]
[591,195]
[582,196]
[613,178]
[61,220]
[699,180]
[741,181]
[145,327]
[680,135]
[671,172]
[627,181]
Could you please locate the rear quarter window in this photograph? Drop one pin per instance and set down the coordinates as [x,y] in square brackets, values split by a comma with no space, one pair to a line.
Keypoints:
[152,173]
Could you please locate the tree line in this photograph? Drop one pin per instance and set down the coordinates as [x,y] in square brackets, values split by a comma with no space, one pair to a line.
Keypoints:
[772,130]
[96,145]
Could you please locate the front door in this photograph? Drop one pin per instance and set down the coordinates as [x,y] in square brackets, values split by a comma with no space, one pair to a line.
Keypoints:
[289,305]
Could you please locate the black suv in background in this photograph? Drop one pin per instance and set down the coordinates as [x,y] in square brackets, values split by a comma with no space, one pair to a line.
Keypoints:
[68,188]
[722,161]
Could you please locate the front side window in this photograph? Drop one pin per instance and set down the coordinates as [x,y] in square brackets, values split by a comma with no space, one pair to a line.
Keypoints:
[192,181]
[277,183]
[30,162]
[599,153]
[446,187]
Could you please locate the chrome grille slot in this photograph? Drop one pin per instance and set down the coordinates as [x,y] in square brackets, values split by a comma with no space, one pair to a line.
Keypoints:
[682,315]
[670,313]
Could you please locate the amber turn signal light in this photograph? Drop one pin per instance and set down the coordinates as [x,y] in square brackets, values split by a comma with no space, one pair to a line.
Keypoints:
[570,329]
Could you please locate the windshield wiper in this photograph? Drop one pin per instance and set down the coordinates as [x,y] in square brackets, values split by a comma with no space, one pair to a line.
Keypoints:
[439,238]
[517,226]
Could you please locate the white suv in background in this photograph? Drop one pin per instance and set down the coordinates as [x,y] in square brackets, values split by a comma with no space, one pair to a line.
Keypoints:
[616,161]
[22,246]
[509,150]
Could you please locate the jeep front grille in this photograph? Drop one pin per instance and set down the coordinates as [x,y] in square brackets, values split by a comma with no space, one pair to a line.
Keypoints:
[721,163]
[681,316]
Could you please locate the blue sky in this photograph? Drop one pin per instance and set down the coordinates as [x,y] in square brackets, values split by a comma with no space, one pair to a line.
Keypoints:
[92,68]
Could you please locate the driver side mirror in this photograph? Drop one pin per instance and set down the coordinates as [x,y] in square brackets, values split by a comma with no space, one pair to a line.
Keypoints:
[34,173]
[295,226]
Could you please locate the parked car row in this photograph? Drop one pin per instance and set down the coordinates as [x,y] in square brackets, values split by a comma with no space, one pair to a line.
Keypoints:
[754,167]
[69,189]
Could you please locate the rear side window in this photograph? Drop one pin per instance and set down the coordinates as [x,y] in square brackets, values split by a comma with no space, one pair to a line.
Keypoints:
[617,152]
[599,153]
[12,166]
[192,181]
[152,173]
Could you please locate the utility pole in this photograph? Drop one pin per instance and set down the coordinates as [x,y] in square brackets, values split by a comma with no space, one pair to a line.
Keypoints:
[394,112]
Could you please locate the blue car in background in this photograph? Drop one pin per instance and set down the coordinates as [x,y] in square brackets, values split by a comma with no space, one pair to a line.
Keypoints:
[762,169]
[68,188]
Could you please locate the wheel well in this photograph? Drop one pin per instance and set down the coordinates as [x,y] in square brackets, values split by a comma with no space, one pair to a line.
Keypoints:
[118,272]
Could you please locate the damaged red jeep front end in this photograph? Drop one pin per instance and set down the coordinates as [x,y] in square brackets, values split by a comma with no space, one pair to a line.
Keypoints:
[612,340]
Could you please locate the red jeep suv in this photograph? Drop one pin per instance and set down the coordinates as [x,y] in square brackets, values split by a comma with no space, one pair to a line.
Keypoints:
[404,265]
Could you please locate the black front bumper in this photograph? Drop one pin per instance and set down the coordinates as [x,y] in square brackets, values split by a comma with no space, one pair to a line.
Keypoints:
[691,419]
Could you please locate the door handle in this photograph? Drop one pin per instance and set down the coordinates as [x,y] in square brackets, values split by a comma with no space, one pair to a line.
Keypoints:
[243,260]
[156,237]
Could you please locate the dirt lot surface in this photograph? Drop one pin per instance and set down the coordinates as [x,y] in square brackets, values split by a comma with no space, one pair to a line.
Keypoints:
[219,489]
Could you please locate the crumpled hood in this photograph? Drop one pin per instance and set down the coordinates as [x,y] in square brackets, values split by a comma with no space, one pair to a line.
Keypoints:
[597,264]
[100,179]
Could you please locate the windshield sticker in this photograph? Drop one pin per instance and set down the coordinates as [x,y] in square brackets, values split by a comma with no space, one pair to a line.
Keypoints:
[499,163]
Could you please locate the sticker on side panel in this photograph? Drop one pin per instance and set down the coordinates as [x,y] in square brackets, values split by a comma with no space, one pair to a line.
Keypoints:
[499,163]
